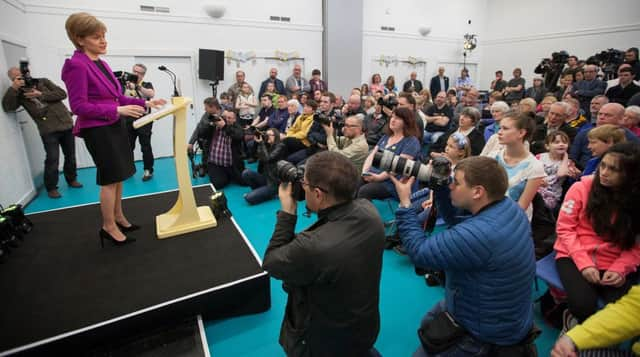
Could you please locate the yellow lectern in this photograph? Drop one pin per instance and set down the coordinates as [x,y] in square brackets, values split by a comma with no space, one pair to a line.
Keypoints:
[184,216]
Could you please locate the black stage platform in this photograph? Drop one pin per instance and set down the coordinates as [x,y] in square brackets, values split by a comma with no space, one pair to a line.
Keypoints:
[59,291]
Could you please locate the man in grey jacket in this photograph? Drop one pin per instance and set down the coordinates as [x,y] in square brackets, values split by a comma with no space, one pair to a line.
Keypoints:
[331,270]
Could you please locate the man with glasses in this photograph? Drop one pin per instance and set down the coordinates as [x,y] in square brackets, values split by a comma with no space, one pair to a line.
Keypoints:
[331,270]
[588,88]
[353,145]
[555,121]
[143,90]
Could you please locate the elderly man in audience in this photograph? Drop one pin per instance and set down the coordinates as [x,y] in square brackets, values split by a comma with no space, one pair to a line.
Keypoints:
[625,89]
[273,78]
[611,113]
[440,82]
[596,103]
[575,119]
[353,145]
[555,121]
[489,263]
[296,83]
[235,89]
[588,88]
[413,84]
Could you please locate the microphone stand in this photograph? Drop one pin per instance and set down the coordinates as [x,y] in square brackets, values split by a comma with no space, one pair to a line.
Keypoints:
[173,79]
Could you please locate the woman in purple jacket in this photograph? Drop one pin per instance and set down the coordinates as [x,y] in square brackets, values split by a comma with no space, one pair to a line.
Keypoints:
[96,98]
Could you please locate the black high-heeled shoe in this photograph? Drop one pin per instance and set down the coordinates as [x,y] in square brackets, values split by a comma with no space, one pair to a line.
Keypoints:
[131,228]
[105,235]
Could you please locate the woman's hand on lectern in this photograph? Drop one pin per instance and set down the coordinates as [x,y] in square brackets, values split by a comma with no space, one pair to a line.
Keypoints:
[156,103]
[134,111]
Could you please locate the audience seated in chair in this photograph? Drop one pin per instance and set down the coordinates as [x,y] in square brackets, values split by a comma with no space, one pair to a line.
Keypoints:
[597,248]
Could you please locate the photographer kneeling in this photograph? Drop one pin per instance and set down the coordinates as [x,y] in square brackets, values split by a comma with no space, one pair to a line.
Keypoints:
[331,270]
[264,183]
[488,259]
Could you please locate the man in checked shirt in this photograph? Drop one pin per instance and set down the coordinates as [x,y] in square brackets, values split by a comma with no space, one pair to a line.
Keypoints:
[225,161]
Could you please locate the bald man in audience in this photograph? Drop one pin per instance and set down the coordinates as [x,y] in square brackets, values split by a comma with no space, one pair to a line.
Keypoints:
[413,84]
[611,113]
[273,78]
[296,83]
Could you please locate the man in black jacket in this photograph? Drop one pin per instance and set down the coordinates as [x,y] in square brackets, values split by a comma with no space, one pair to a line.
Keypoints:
[439,83]
[331,270]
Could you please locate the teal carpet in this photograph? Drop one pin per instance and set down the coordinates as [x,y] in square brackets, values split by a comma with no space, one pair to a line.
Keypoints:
[404,297]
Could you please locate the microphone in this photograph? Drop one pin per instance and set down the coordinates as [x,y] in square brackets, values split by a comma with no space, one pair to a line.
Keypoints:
[173,79]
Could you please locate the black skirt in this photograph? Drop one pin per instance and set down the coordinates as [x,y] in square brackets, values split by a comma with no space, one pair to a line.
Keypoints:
[110,150]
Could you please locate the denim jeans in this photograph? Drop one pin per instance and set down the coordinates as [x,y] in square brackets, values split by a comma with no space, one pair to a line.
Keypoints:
[466,346]
[261,190]
[52,143]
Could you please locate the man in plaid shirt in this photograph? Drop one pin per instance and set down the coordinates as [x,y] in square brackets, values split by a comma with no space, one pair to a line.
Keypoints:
[225,162]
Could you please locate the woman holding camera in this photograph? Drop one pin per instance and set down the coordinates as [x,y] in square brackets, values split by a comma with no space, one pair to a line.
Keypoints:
[264,183]
[402,139]
[95,96]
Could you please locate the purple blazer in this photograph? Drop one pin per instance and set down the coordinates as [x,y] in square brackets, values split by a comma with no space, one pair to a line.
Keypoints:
[92,96]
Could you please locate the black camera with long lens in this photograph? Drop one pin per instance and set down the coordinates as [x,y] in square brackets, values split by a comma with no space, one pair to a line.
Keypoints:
[391,102]
[29,82]
[287,172]
[436,174]
[123,77]
[322,118]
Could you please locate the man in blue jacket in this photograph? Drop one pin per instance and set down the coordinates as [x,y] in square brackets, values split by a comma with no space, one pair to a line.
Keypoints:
[488,259]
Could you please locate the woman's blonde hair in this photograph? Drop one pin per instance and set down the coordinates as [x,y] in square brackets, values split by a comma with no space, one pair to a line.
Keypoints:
[82,24]
[606,133]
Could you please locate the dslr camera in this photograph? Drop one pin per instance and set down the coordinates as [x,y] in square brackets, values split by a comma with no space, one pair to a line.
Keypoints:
[391,102]
[287,172]
[214,118]
[322,118]
[29,82]
[123,77]
[437,174]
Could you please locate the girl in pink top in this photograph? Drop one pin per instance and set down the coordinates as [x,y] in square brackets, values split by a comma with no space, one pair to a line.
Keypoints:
[598,244]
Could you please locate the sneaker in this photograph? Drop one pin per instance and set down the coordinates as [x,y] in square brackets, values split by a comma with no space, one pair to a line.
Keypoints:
[568,322]
[147,175]
[54,193]
[74,184]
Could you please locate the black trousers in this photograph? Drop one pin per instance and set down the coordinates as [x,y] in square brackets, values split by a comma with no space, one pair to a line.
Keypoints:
[583,296]
[53,142]
[221,176]
[143,134]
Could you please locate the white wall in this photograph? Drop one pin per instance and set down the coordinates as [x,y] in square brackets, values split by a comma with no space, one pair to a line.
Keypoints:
[132,33]
[448,23]
[581,27]
[15,180]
